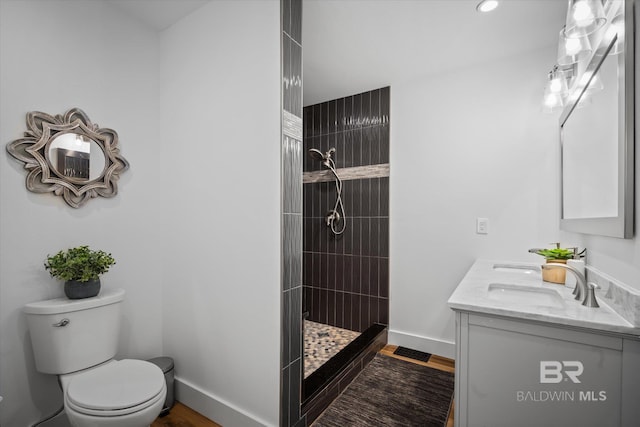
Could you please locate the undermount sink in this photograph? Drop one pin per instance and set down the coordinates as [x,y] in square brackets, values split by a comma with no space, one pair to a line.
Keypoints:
[516,268]
[524,295]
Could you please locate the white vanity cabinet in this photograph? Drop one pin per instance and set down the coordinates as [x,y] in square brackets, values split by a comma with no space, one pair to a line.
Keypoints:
[516,372]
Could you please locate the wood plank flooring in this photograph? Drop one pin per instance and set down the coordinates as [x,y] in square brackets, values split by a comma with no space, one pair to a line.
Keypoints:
[183,416]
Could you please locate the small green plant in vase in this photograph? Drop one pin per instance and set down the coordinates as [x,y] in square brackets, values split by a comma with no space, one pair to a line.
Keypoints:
[80,268]
[556,255]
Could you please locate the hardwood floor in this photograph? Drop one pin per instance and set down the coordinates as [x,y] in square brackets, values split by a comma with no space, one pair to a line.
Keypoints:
[436,362]
[183,416]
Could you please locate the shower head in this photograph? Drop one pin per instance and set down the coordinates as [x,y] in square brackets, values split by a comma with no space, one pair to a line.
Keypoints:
[317,154]
[320,156]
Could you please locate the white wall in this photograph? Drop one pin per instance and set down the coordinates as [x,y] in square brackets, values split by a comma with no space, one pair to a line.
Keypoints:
[55,55]
[220,113]
[474,144]
[195,228]
[466,144]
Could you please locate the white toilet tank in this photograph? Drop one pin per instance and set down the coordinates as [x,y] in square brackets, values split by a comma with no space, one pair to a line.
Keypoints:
[71,335]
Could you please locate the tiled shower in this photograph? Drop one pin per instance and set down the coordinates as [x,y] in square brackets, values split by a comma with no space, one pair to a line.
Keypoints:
[346,277]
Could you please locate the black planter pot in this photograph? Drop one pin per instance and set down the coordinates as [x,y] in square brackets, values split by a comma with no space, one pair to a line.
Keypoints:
[78,290]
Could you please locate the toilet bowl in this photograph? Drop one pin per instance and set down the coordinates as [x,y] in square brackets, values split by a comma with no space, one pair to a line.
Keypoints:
[124,393]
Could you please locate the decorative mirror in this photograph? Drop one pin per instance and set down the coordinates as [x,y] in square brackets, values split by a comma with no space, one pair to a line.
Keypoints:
[597,136]
[69,156]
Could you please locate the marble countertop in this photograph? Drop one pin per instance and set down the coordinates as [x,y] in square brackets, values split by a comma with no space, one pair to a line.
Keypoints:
[472,295]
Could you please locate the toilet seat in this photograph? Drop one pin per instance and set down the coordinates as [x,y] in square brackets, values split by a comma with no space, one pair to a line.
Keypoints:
[115,389]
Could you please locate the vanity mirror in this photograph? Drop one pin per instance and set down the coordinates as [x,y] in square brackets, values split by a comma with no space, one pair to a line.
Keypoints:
[69,156]
[597,135]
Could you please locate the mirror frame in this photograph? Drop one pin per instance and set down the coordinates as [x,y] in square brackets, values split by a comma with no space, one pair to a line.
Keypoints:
[32,150]
[620,226]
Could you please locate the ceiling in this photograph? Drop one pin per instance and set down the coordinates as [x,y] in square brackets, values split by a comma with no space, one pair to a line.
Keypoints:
[351,46]
[158,14]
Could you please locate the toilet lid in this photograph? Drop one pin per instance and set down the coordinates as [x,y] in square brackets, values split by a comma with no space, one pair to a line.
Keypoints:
[122,384]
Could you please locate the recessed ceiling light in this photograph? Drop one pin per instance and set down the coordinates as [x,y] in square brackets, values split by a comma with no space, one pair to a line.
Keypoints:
[487,5]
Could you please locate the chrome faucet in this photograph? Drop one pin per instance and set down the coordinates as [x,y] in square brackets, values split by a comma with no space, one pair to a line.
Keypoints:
[585,291]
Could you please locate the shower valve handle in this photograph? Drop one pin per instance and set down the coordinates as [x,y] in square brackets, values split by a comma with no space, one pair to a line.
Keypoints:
[331,217]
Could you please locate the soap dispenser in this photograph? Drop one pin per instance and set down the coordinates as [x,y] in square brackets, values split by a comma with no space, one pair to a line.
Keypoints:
[578,263]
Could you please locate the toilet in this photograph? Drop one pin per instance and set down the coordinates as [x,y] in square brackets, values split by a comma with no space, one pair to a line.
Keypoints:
[77,340]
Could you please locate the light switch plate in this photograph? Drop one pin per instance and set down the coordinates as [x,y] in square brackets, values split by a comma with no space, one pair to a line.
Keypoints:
[482,225]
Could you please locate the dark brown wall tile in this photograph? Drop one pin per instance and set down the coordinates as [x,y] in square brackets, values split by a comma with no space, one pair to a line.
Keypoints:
[384,144]
[296,21]
[339,309]
[383,310]
[383,237]
[331,307]
[384,197]
[365,320]
[373,310]
[383,277]
[285,400]
[375,107]
[347,311]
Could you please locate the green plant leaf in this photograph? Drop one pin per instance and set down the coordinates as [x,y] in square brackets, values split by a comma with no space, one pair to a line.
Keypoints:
[556,253]
[81,264]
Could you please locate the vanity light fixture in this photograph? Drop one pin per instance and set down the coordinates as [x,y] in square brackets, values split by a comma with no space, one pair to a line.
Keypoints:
[572,49]
[555,91]
[552,102]
[487,6]
[558,82]
[584,17]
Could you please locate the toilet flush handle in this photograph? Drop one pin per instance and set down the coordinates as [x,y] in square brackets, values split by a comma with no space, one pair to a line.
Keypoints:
[63,322]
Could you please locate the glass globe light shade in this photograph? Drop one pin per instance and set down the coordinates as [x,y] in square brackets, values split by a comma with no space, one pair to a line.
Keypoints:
[584,17]
[572,50]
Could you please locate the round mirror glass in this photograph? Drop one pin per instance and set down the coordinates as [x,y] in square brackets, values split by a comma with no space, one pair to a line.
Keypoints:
[75,156]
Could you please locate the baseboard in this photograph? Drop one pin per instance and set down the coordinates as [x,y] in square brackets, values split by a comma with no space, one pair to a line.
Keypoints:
[213,407]
[426,344]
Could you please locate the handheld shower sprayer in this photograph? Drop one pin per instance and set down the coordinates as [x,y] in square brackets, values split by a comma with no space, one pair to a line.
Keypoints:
[333,216]
[325,158]
[316,154]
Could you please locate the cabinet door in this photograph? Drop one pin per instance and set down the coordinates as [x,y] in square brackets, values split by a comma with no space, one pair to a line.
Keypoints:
[525,374]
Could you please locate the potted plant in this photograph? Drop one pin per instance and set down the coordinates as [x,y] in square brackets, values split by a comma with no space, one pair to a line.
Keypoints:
[80,268]
[555,255]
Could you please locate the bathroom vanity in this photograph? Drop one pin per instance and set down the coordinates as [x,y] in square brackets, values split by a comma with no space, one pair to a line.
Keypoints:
[529,354]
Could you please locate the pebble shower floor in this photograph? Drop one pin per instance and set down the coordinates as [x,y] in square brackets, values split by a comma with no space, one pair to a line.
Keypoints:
[322,342]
